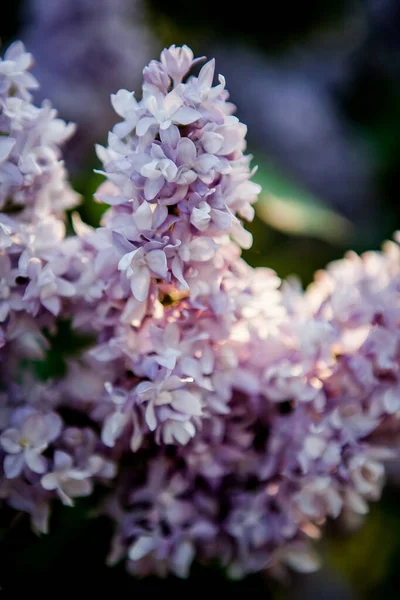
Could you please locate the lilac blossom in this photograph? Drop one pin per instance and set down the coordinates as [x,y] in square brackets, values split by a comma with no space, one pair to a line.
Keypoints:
[235,414]
[67,480]
[34,194]
[36,283]
[26,442]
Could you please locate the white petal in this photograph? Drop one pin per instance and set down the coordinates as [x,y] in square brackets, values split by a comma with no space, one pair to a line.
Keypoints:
[206,163]
[157,262]
[34,461]
[53,304]
[391,400]
[206,74]
[151,417]
[187,403]
[126,260]
[182,559]
[123,102]
[143,216]
[141,547]
[140,284]
[314,446]
[177,271]
[186,115]
[112,428]
[183,432]
[144,124]
[6,145]
[49,481]
[172,102]
[221,218]
[302,559]
[202,249]
[212,142]
[200,219]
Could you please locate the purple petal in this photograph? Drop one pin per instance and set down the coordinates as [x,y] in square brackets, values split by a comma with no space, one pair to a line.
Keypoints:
[13,464]
[152,187]
[62,461]
[121,243]
[34,461]
[157,262]
[10,441]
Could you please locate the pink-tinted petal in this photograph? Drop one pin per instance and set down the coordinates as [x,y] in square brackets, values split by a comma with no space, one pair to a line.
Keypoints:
[212,142]
[206,74]
[186,115]
[202,249]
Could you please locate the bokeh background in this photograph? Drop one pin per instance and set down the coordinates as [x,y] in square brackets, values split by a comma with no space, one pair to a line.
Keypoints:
[318,84]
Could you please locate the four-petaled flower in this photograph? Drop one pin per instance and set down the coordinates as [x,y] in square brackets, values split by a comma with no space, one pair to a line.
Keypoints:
[25,444]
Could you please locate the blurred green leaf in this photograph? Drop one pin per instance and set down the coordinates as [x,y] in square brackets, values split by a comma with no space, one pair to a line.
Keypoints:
[288,207]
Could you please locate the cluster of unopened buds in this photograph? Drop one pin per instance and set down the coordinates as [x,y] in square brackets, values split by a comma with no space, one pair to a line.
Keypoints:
[226,415]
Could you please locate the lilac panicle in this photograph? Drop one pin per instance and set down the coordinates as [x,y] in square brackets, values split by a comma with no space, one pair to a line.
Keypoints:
[38,460]
[272,433]
[155,276]
[245,412]
[34,194]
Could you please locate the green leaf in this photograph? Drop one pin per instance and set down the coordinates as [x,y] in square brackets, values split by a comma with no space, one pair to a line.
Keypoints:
[287,207]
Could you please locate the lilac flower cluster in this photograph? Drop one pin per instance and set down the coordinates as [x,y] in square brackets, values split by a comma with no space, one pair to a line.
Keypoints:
[42,457]
[236,415]
[34,194]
